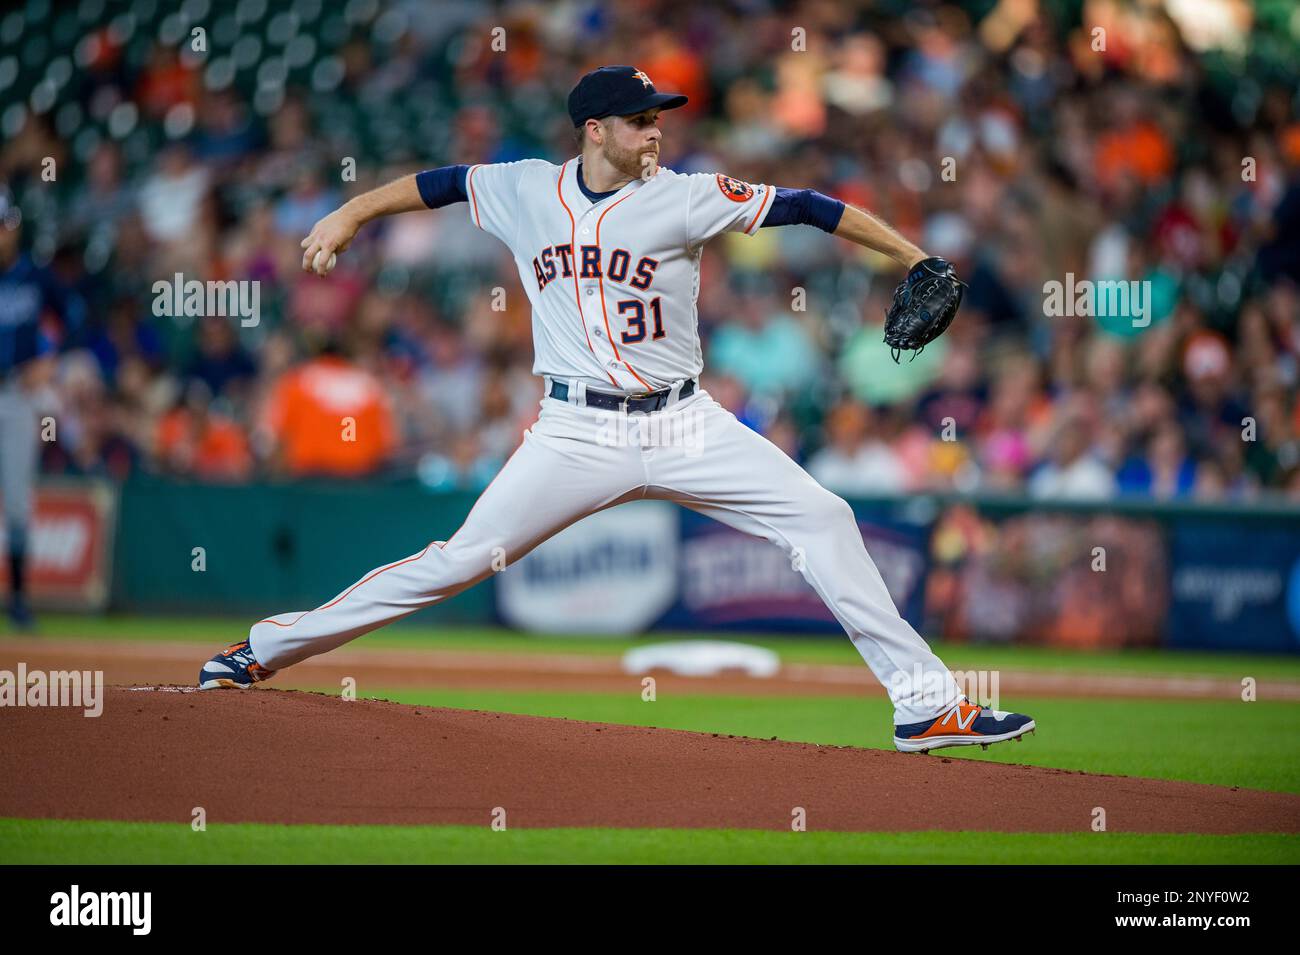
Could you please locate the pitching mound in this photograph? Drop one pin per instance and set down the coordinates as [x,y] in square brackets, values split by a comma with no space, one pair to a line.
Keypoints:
[280,756]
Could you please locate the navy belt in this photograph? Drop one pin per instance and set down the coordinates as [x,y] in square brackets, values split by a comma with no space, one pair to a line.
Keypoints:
[649,401]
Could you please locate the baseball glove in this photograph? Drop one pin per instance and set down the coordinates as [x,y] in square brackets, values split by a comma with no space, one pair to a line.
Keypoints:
[924,305]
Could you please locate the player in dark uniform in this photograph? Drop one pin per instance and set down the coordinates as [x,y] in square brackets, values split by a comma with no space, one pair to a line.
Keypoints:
[27,294]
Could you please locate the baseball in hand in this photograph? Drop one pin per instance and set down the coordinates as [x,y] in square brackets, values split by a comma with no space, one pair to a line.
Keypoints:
[322,266]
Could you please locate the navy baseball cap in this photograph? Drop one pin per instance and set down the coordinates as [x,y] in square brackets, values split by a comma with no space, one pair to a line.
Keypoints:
[617,91]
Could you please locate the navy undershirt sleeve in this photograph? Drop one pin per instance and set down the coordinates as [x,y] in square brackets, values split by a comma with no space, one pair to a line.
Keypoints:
[442,186]
[804,207]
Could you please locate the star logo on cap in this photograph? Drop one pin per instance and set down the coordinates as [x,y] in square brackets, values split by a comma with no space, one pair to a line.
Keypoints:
[645,80]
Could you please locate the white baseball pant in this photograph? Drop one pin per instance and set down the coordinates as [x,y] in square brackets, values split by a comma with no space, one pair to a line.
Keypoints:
[577,460]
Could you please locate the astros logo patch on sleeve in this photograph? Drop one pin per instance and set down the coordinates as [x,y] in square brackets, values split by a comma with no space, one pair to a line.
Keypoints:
[734,189]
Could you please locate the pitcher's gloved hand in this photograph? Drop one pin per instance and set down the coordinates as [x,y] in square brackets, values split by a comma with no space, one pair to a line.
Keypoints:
[924,305]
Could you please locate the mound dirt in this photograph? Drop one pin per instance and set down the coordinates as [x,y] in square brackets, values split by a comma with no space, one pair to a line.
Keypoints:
[281,756]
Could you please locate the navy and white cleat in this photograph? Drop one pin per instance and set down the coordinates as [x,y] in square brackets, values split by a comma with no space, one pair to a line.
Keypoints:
[234,668]
[965,724]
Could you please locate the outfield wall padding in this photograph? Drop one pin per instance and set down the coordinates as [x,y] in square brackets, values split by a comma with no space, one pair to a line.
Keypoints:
[271,548]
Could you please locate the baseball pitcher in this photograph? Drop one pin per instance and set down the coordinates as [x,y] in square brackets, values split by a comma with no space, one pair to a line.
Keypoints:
[608,247]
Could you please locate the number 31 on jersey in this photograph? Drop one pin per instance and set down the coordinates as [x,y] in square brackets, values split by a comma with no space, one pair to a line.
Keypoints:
[634,311]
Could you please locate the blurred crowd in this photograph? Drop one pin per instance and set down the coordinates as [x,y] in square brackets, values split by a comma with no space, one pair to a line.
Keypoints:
[996,134]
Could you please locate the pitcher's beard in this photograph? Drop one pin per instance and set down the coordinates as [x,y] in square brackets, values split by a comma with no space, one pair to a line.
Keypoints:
[631,162]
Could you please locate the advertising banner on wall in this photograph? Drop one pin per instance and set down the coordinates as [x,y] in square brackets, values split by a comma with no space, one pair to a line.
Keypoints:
[652,564]
[614,572]
[1076,579]
[734,581]
[69,549]
[1233,589]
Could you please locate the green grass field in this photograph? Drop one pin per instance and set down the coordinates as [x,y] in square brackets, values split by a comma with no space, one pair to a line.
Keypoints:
[1252,745]
[94,843]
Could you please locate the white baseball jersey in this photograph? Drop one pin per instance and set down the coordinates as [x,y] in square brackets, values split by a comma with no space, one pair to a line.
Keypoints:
[613,283]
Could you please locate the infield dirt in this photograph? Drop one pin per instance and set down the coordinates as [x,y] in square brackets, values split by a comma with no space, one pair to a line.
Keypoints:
[282,756]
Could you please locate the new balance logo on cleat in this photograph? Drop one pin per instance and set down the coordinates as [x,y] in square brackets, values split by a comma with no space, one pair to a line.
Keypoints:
[955,715]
